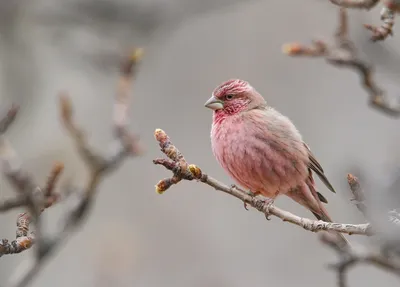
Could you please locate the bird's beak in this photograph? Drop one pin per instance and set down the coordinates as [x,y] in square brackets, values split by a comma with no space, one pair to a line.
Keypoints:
[214,104]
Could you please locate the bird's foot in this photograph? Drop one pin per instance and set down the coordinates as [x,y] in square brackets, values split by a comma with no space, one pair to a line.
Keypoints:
[269,202]
[245,205]
[248,192]
[263,204]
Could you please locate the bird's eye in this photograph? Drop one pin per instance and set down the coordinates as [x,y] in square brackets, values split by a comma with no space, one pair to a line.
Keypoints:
[229,97]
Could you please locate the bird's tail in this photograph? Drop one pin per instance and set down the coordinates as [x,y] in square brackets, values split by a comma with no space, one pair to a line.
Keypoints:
[311,199]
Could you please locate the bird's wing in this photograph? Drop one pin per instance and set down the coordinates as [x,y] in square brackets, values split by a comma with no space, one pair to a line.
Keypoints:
[317,168]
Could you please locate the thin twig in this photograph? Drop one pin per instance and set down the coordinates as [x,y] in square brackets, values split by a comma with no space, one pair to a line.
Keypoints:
[380,33]
[349,257]
[183,171]
[26,191]
[388,13]
[37,199]
[358,194]
[24,240]
[344,54]
[360,4]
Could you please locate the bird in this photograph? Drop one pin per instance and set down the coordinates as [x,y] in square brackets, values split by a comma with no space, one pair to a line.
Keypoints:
[262,150]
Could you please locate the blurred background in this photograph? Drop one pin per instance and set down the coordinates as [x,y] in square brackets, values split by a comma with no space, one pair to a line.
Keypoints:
[191,235]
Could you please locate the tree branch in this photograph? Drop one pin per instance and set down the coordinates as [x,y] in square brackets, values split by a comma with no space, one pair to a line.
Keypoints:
[388,14]
[360,4]
[24,240]
[380,33]
[358,194]
[36,199]
[183,171]
[344,54]
[349,257]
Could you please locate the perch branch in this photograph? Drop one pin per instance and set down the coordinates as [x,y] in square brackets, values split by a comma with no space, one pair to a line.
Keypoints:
[344,54]
[36,199]
[183,171]
[349,256]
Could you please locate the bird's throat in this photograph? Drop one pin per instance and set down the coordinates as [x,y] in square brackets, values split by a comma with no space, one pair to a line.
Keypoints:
[219,116]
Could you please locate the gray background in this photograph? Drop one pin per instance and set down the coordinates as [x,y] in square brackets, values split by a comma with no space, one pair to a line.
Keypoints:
[191,235]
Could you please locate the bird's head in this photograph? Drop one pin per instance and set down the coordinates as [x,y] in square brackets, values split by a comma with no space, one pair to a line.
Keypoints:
[234,96]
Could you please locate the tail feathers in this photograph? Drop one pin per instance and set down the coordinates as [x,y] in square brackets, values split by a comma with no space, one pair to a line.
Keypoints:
[316,205]
[322,198]
[325,217]
[310,198]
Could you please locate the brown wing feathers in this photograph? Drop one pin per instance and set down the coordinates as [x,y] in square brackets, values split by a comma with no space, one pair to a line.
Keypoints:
[317,168]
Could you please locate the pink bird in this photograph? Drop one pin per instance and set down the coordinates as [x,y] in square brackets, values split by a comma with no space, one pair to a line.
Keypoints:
[262,150]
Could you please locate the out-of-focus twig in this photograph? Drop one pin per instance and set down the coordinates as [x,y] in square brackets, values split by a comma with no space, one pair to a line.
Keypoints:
[37,199]
[393,216]
[183,171]
[358,194]
[388,14]
[344,54]
[349,257]
[380,33]
[381,257]
[360,4]
[25,239]
[27,192]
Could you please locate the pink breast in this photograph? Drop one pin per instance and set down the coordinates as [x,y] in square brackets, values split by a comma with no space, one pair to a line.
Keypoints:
[260,162]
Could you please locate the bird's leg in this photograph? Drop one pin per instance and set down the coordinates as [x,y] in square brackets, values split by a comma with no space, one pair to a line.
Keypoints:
[248,192]
[266,203]
[252,194]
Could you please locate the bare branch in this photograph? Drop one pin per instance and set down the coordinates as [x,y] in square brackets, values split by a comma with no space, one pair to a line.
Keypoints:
[349,257]
[8,119]
[360,4]
[183,171]
[344,54]
[386,29]
[358,194]
[11,203]
[27,191]
[53,178]
[37,199]
[24,240]
[388,14]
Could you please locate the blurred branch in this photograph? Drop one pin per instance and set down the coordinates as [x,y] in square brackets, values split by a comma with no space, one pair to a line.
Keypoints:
[380,33]
[360,4]
[183,171]
[358,194]
[344,54]
[24,240]
[387,15]
[36,199]
[349,257]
